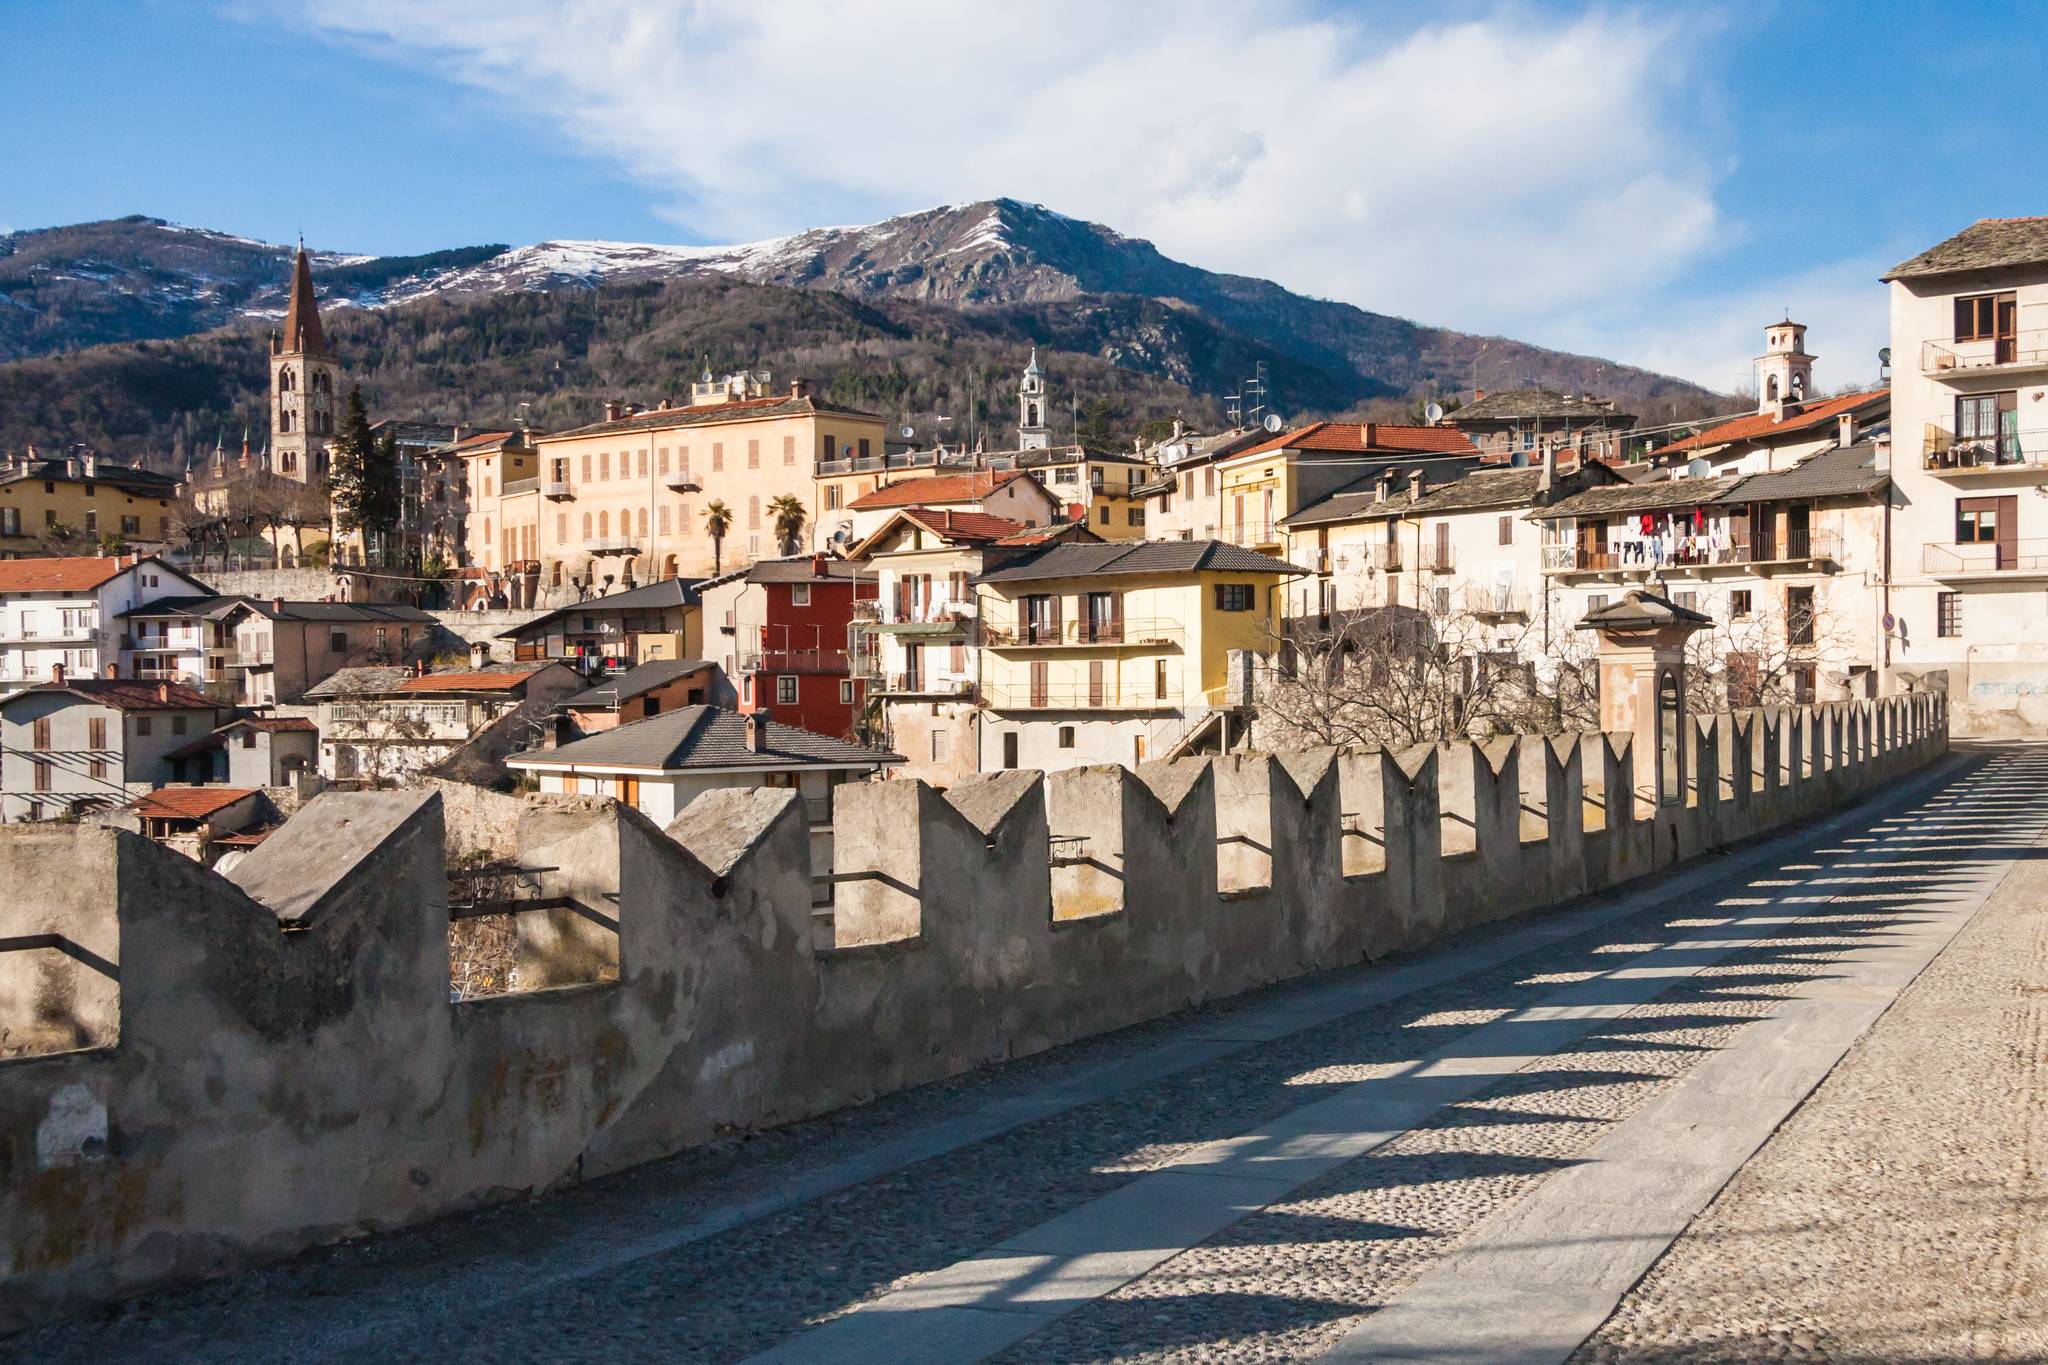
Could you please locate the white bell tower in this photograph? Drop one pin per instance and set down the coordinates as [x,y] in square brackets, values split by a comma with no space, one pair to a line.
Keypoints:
[1033,429]
[1784,372]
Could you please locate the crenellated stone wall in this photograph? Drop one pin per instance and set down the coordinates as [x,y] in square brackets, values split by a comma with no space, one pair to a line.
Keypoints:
[268,1060]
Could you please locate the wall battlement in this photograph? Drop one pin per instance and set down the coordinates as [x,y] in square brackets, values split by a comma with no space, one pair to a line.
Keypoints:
[200,1071]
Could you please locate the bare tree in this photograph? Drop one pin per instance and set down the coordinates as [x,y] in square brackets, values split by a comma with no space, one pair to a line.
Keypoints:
[1768,657]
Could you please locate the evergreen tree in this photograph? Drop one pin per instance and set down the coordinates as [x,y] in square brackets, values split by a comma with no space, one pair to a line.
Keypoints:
[362,479]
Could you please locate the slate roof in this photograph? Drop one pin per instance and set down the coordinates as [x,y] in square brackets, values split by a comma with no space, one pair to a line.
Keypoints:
[1507,405]
[188,803]
[1138,557]
[1652,495]
[661,419]
[702,737]
[130,478]
[302,313]
[1475,492]
[213,608]
[635,682]
[786,569]
[1638,609]
[1761,426]
[127,694]
[1837,472]
[669,592]
[1367,437]
[398,680]
[272,724]
[1984,245]
[935,488]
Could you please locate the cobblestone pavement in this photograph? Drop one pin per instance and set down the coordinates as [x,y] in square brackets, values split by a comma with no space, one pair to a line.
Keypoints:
[1899,1214]
[727,1252]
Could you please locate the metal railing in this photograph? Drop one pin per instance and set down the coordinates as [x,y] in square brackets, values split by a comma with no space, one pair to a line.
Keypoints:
[517,486]
[1438,558]
[1387,558]
[2022,350]
[1483,599]
[1944,452]
[1078,697]
[611,545]
[1081,633]
[926,685]
[2013,557]
[557,490]
[944,611]
[1693,552]
[755,659]
[1248,533]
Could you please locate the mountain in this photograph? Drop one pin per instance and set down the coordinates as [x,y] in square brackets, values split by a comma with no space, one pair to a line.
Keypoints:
[141,278]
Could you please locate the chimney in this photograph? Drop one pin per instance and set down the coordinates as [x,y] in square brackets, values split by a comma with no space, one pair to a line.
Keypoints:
[1365,435]
[163,692]
[1846,429]
[799,388]
[757,730]
[113,671]
[57,674]
[1416,479]
[818,564]
[419,668]
[277,606]
[480,654]
[612,409]
[92,465]
[1478,394]
[1881,453]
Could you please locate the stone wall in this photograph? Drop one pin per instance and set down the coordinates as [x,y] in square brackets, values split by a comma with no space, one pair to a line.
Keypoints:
[270,1060]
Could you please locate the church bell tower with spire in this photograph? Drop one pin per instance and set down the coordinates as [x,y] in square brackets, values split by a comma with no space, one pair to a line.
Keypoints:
[305,385]
[1034,431]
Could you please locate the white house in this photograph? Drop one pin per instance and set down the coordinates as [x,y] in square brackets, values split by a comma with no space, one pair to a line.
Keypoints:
[67,611]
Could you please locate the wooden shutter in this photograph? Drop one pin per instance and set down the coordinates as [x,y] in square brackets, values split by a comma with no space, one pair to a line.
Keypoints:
[1095,682]
[1039,690]
[2008,531]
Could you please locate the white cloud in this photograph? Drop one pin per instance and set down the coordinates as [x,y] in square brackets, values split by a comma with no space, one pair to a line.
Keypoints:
[1504,174]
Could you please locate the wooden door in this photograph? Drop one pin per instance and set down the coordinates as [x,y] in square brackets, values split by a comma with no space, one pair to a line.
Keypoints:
[629,791]
[1095,682]
[1040,690]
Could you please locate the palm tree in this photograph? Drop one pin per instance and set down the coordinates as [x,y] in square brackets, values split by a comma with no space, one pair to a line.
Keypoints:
[717,521]
[788,515]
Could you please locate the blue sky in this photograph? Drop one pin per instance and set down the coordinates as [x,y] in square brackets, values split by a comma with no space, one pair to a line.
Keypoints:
[1639,182]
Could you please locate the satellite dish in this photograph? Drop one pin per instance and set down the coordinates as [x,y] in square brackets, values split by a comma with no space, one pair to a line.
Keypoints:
[906,431]
[1434,412]
[1884,355]
[1274,422]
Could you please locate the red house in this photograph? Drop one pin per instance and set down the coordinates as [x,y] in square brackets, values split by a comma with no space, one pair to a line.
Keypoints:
[778,630]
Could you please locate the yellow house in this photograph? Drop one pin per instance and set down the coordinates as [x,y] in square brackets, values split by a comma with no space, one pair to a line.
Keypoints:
[627,497]
[1122,652]
[1271,481]
[57,507]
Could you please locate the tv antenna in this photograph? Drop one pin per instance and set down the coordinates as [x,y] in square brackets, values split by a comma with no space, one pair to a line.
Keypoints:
[1247,407]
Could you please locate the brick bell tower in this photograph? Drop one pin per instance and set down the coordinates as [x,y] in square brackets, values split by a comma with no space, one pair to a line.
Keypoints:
[305,385]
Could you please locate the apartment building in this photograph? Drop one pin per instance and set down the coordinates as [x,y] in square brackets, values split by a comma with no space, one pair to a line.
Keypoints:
[69,612]
[1182,496]
[625,499]
[1508,423]
[468,484]
[71,745]
[1969,320]
[778,628]
[615,632]
[59,506]
[262,652]
[383,724]
[916,644]
[1012,496]
[1121,652]
[1259,487]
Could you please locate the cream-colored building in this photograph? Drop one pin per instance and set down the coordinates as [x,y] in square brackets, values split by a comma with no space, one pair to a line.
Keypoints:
[1122,652]
[1969,321]
[1259,487]
[627,497]
[1013,496]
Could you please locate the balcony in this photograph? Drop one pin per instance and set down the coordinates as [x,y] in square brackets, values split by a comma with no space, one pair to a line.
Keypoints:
[924,685]
[682,481]
[925,618]
[1250,534]
[2013,560]
[2017,354]
[1437,559]
[1497,602]
[1693,554]
[756,660]
[1135,633]
[557,492]
[612,545]
[1963,458]
[1078,697]
[517,486]
[1386,558]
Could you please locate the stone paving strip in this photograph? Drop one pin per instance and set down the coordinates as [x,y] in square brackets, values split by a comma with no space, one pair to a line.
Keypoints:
[1625,1199]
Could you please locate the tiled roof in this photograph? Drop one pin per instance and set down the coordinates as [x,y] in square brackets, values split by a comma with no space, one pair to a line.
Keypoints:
[1761,426]
[1651,495]
[478,444]
[70,573]
[1070,531]
[635,682]
[1984,245]
[213,608]
[1476,491]
[273,724]
[936,488]
[796,569]
[513,679]
[188,803]
[1138,557]
[1361,438]
[657,596]
[1507,405]
[1637,610]
[963,526]
[661,419]
[1837,472]
[702,737]
[127,694]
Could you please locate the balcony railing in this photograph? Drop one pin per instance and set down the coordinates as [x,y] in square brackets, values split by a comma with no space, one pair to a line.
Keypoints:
[1079,697]
[1386,558]
[944,612]
[926,685]
[1083,633]
[1943,452]
[1494,600]
[1249,533]
[1438,558]
[1693,552]
[517,486]
[559,491]
[682,481]
[2022,351]
[756,660]
[611,545]
[2018,558]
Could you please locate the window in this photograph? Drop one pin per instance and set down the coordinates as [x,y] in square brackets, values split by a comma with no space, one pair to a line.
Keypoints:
[42,733]
[1233,597]
[831,447]
[586,468]
[1105,514]
[643,464]
[643,523]
[800,595]
[753,514]
[604,465]
[97,769]
[1799,616]
[785,690]
[753,454]
[846,691]
[1009,748]
[863,447]
[49,516]
[941,744]
[1507,530]
[177,725]
[248,739]
[1689,600]
[1596,601]
[661,460]
[1136,516]
[1066,736]
[1982,317]
[1160,683]
[92,523]
[717,456]
[96,733]
[131,526]
[143,725]
[832,497]
[42,772]
[1740,604]
[1978,519]
[789,450]
[1948,614]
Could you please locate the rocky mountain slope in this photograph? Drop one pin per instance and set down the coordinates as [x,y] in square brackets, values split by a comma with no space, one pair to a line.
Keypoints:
[1002,264]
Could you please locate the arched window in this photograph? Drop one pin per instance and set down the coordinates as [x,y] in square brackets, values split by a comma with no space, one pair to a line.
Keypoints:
[643,523]
[320,381]
[1031,415]
[586,526]
[284,419]
[284,379]
[604,525]
[1771,388]
[753,514]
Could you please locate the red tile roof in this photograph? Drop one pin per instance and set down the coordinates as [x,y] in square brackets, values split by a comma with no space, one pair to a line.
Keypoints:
[1762,425]
[470,680]
[1040,535]
[936,488]
[963,526]
[188,803]
[1360,438]
[71,573]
